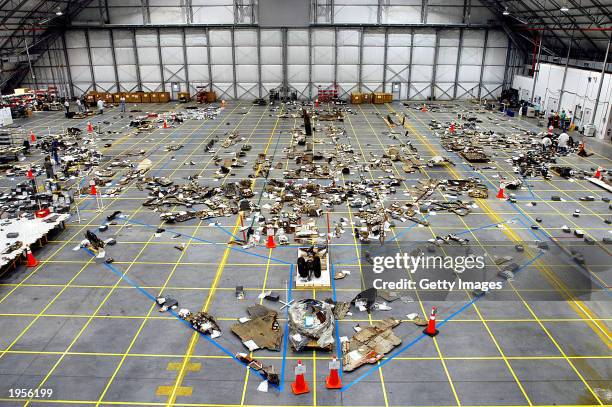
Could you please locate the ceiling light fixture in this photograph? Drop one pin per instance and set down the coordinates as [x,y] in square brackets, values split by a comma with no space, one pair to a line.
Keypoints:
[564,8]
[59,13]
[506,12]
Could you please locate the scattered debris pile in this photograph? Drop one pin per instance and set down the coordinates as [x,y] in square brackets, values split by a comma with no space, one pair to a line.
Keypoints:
[311,325]
[370,344]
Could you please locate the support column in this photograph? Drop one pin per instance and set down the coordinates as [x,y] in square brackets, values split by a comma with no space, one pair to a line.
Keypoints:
[161,63]
[259,84]
[310,62]
[434,72]
[457,67]
[136,60]
[113,54]
[360,63]
[537,70]
[91,70]
[386,50]
[411,60]
[210,80]
[601,80]
[482,64]
[185,62]
[70,85]
[567,57]
[232,32]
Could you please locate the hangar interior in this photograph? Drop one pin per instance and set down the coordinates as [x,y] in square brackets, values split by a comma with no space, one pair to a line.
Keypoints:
[213,202]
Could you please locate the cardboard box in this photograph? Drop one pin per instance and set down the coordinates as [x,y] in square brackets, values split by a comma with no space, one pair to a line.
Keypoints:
[380,98]
[164,97]
[154,97]
[211,96]
[133,98]
[144,97]
[356,98]
[117,96]
[184,96]
[367,97]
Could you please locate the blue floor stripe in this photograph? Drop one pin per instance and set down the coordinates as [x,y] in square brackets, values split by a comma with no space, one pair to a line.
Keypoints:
[422,335]
[124,218]
[286,337]
[152,298]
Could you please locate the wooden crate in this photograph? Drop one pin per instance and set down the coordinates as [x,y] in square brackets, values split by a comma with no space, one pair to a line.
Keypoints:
[154,97]
[184,96]
[380,97]
[164,97]
[133,98]
[107,97]
[367,97]
[211,97]
[117,96]
[144,97]
[356,98]
[91,97]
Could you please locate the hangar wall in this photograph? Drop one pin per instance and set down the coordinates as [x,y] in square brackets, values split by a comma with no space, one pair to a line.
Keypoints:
[242,60]
[578,94]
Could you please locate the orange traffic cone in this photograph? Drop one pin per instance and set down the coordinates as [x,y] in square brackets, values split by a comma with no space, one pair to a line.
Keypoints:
[89,127]
[32,137]
[30,259]
[270,244]
[299,386]
[452,128]
[598,173]
[500,193]
[333,380]
[431,325]
[30,174]
[424,108]
[316,102]
[222,102]
[165,123]
[92,188]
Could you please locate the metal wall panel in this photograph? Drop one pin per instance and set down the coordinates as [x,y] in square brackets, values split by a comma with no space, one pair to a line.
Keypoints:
[357,58]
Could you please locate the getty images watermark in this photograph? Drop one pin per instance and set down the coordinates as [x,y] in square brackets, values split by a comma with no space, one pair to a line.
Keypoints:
[505,271]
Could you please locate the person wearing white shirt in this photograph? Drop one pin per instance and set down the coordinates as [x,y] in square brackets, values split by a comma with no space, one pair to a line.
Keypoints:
[101,106]
[79,105]
[562,142]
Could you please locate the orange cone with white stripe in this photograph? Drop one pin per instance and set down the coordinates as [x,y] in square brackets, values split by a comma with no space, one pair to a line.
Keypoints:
[598,173]
[333,380]
[500,193]
[92,188]
[270,244]
[30,174]
[89,127]
[424,108]
[299,386]
[32,137]
[165,123]
[431,325]
[30,259]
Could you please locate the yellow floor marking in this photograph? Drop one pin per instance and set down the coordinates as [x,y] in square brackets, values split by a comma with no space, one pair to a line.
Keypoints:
[190,367]
[181,375]
[512,235]
[167,390]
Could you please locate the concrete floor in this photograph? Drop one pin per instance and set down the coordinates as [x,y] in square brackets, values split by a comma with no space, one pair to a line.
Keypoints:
[80,328]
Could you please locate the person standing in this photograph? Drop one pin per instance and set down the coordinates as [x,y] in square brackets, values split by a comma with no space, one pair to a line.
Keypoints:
[122,104]
[49,167]
[55,150]
[79,105]
[100,106]
[67,106]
